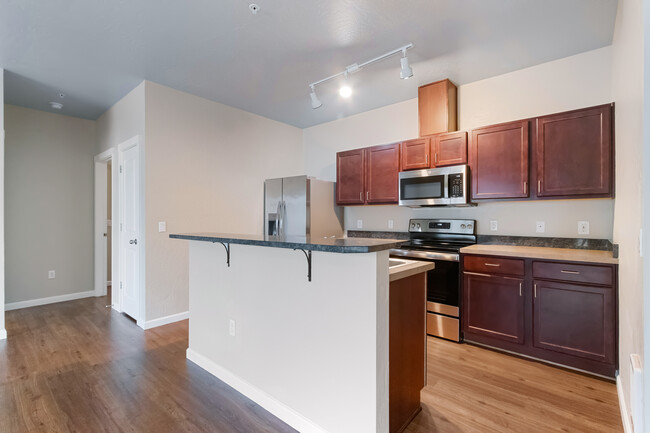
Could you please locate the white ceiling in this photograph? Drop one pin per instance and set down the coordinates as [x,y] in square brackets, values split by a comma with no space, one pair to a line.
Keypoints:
[96,51]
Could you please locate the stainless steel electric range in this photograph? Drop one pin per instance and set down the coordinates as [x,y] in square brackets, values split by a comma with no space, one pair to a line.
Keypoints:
[440,241]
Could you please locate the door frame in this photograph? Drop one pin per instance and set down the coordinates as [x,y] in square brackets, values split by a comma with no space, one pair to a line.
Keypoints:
[121,148]
[101,196]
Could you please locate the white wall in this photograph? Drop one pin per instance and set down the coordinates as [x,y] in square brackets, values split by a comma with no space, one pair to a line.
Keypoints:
[205,169]
[627,90]
[49,202]
[573,82]
[3,332]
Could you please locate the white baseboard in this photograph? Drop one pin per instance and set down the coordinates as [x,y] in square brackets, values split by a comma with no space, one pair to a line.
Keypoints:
[625,414]
[3,334]
[164,320]
[50,300]
[275,407]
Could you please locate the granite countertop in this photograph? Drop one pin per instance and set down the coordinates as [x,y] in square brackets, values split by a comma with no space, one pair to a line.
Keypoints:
[549,253]
[411,267]
[330,245]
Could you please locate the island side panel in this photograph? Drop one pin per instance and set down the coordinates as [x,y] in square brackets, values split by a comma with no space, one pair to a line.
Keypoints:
[313,353]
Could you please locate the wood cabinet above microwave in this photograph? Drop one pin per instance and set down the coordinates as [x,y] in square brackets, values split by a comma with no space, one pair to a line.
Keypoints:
[439,150]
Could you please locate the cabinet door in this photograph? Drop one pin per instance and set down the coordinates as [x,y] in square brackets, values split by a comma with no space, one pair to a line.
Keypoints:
[382,174]
[574,153]
[493,306]
[499,161]
[415,154]
[437,108]
[350,177]
[450,149]
[574,319]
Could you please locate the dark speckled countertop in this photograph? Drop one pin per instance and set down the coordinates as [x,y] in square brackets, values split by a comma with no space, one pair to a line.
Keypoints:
[330,245]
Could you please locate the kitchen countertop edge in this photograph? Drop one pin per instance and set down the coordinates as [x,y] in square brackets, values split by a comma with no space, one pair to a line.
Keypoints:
[413,268]
[548,253]
[340,245]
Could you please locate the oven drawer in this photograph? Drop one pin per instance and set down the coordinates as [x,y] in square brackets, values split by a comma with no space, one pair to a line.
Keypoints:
[578,273]
[493,265]
[443,326]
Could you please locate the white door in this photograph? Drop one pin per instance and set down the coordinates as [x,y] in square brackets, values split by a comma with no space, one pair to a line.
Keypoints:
[129,234]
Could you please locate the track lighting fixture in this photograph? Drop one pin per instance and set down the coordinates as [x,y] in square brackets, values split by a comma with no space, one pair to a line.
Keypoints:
[345,91]
[315,102]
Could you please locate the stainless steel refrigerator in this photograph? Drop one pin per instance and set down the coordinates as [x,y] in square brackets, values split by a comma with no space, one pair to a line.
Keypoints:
[301,206]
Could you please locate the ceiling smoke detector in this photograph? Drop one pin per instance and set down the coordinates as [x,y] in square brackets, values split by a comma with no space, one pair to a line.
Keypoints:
[254,8]
[56,105]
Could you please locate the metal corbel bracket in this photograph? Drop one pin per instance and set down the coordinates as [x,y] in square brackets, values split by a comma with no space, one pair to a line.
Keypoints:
[227,247]
[308,256]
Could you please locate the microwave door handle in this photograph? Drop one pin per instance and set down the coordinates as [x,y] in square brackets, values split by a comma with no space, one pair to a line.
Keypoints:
[446,188]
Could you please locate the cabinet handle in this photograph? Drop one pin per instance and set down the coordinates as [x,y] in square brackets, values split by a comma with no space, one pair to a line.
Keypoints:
[360,195]
[519,289]
[525,187]
[426,159]
[535,289]
[539,186]
[570,272]
[436,155]
[476,273]
[492,264]
[367,195]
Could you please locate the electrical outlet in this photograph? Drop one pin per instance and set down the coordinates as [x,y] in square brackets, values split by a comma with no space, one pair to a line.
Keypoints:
[390,224]
[231,328]
[540,226]
[51,275]
[162,226]
[494,226]
[359,224]
[583,227]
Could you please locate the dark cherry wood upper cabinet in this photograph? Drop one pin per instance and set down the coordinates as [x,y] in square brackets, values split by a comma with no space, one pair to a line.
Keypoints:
[382,174]
[575,319]
[415,154]
[493,306]
[437,108]
[350,177]
[499,161]
[574,153]
[449,149]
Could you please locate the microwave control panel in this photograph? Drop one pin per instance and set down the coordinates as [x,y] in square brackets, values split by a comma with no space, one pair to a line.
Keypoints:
[456,185]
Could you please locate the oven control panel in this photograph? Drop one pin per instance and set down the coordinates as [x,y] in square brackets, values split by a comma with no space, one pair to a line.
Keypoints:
[467,227]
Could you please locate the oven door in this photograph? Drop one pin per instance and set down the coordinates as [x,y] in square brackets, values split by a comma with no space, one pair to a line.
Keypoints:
[423,188]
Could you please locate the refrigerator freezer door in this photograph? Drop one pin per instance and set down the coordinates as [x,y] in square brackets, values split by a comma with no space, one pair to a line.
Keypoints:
[294,195]
[272,206]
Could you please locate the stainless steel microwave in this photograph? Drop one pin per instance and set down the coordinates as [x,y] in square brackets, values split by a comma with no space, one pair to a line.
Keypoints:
[445,186]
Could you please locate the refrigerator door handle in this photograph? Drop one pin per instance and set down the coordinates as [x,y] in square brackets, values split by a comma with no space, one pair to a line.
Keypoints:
[276,227]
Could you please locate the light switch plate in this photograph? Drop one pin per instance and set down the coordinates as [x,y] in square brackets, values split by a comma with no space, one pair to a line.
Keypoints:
[231,328]
[583,227]
[51,275]
[540,226]
[494,226]
[359,224]
[162,226]
[390,224]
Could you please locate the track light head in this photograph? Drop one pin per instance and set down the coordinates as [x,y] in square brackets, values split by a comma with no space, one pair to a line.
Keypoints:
[407,71]
[315,102]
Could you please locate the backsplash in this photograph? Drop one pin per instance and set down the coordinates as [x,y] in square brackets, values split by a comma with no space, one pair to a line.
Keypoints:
[514,218]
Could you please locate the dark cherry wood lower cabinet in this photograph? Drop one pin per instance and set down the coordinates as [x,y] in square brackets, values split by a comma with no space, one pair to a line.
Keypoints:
[407,354]
[494,306]
[566,314]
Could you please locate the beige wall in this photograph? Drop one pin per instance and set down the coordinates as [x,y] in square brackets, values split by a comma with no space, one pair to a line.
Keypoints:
[122,121]
[2,205]
[627,90]
[205,169]
[49,204]
[573,82]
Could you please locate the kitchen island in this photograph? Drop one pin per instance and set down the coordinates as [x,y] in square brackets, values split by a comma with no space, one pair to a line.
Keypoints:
[300,326]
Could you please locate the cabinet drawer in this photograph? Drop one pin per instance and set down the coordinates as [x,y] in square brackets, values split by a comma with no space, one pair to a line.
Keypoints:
[579,273]
[493,265]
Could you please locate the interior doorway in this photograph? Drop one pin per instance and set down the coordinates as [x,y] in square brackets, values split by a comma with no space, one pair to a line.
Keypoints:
[106,196]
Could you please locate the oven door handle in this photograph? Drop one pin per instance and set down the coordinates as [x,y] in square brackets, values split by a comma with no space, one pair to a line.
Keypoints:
[426,255]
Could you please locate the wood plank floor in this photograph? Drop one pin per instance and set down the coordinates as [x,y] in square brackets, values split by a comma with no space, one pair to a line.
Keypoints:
[471,389]
[80,367]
